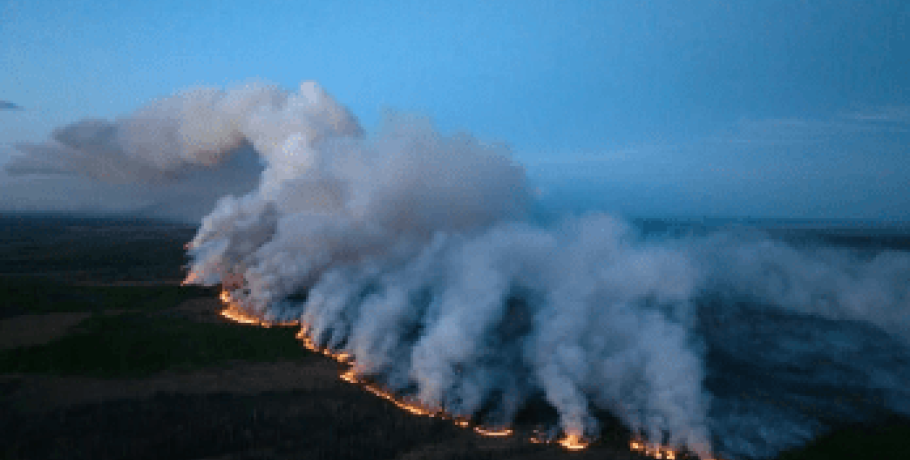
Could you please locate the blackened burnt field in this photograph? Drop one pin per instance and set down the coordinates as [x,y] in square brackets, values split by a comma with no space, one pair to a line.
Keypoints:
[104,355]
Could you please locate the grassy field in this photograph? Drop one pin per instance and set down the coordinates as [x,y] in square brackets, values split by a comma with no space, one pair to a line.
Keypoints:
[139,345]
[118,361]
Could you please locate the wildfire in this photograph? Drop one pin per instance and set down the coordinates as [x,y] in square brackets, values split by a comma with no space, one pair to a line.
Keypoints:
[572,442]
[493,432]
[410,405]
[191,278]
[656,451]
[349,376]
[341,357]
[234,312]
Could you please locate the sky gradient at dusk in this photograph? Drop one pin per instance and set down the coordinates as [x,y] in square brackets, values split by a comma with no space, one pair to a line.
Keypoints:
[796,109]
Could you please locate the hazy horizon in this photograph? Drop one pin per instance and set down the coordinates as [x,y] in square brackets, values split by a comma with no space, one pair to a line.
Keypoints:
[747,110]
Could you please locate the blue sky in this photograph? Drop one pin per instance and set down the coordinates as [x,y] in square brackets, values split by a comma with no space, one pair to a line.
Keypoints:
[752,108]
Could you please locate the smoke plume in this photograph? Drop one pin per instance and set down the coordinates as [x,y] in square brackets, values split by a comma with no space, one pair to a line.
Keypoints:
[414,252]
[418,254]
[167,158]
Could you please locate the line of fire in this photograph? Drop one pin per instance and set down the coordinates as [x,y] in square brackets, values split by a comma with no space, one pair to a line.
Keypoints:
[234,312]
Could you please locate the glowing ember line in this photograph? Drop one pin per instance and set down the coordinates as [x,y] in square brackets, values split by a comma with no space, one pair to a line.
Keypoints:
[573,442]
[349,376]
[654,450]
[493,432]
[234,312]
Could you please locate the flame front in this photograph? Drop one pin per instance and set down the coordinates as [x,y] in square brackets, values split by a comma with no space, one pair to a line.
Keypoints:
[572,442]
[493,432]
[191,278]
[234,312]
[654,450]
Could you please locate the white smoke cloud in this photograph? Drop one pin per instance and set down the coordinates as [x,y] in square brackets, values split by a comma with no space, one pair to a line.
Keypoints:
[822,281]
[186,141]
[415,252]
[412,249]
[199,127]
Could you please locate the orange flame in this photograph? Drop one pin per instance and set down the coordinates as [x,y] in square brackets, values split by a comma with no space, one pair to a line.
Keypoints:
[349,376]
[493,432]
[190,278]
[234,312]
[655,450]
[572,442]
[411,406]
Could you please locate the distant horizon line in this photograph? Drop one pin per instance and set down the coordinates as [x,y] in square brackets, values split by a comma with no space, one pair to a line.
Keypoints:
[782,223]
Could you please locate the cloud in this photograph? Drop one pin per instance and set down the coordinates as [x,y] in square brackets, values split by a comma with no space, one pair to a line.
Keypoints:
[888,121]
[6,105]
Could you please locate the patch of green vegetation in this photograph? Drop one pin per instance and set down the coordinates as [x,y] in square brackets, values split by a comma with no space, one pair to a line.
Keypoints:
[881,441]
[131,345]
[23,295]
[110,249]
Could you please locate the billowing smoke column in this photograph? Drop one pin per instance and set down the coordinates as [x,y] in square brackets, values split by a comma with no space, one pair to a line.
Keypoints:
[197,128]
[412,251]
[415,253]
[176,154]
